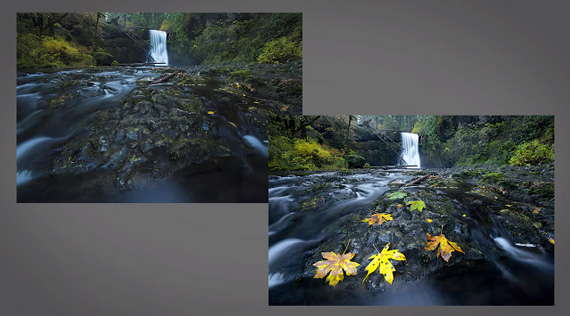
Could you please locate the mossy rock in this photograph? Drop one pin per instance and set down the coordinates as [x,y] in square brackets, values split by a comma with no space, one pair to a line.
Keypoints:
[493,177]
[355,161]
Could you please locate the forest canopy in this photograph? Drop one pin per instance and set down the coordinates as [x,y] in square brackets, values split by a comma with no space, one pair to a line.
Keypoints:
[58,40]
[356,141]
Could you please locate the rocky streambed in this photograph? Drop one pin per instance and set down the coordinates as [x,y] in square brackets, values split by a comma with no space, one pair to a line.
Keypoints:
[133,134]
[501,218]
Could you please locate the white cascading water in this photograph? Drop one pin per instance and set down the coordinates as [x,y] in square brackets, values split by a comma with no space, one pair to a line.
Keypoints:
[158,47]
[257,144]
[410,151]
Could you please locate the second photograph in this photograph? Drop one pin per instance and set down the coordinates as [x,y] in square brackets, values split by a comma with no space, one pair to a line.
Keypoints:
[411,210]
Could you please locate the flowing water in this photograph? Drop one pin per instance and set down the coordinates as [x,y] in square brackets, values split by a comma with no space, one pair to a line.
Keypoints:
[410,149]
[508,274]
[44,130]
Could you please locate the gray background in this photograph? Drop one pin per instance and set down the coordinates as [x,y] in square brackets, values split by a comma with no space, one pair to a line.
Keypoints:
[360,57]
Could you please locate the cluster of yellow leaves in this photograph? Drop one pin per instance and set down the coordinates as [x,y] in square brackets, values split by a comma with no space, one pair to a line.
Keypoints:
[446,247]
[382,260]
[335,264]
[378,218]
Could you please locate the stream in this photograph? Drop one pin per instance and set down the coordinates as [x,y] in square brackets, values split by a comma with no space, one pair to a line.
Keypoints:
[107,136]
[314,213]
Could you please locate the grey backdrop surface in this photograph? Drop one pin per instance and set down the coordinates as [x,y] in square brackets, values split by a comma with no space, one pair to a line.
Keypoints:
[360,57]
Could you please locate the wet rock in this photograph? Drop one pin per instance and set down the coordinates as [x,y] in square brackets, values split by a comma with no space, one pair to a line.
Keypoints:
[459,205]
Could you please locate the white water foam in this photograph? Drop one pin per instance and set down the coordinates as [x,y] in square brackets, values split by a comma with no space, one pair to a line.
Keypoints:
[23,177]
[523,255]
[279,248]
[25,147]
[257,144]
[275,279]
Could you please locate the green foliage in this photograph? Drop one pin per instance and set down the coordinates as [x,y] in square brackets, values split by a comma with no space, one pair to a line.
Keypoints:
[397,195]
[416,205]
[280,50]
[241,38]
[492,140]
[532,153]
[367,165]
[48,52]
[298,154]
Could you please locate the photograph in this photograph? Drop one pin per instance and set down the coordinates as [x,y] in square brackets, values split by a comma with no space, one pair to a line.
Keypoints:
[152,107]
[411,210]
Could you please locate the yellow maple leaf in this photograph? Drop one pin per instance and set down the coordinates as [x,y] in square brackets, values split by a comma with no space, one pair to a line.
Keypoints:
[335,264]
[378,218]
[383,260]
[429,220]
[446,247]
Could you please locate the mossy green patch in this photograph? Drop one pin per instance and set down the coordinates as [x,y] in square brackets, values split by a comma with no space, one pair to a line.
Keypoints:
[493,177]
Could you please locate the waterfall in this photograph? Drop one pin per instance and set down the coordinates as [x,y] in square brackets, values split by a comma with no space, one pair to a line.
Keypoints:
[410,151]
[158,47]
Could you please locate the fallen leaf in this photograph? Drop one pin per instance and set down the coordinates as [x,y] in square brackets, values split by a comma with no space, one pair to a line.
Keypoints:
[397,195]
[416,205]
[210,112]
[378,218]
[383,260]
[335,264]
[446,247]
[551,240]
[429,220]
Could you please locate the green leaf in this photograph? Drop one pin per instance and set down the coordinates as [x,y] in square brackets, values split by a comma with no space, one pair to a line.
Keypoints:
[397,195]
[416,205]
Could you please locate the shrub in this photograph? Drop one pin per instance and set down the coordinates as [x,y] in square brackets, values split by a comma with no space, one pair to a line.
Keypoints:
[48,52]
[280,50]
[532,153]
[299,154]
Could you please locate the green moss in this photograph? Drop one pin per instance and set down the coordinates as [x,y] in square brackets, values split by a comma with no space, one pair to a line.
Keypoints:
[494,177]
[313,203]
[542,189]
[242,74]
[355,161]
